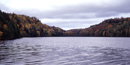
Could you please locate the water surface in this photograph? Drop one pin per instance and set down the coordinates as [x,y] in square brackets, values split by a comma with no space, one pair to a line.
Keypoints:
[66,51]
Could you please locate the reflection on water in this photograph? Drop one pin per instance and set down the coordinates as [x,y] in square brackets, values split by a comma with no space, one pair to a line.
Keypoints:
[39,51]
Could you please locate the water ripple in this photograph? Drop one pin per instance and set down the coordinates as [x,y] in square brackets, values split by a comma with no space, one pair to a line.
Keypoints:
[29,53]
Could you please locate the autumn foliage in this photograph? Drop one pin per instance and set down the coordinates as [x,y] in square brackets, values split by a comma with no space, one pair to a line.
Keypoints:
[16,26]
[117,27]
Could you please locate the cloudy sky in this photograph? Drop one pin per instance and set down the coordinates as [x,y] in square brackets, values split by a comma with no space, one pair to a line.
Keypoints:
[68,14]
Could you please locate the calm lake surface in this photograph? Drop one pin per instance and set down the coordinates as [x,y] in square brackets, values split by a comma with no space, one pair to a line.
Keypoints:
[66,51]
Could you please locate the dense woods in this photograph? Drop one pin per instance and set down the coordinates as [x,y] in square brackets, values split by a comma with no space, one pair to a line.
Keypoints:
[117,27]
[16,26]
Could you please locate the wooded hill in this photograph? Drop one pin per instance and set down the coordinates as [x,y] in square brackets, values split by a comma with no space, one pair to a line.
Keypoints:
[16,26]
[117,27]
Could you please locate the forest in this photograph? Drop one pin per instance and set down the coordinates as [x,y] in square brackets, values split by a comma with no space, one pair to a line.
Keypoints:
[14,26]
[117,27]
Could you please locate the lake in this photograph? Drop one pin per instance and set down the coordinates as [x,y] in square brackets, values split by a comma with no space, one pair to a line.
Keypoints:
[66,51]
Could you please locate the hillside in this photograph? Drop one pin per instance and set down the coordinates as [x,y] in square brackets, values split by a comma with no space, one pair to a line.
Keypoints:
[117,27]
[16,26]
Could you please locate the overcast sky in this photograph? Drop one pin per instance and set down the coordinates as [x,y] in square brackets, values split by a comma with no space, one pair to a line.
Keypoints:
[68,14]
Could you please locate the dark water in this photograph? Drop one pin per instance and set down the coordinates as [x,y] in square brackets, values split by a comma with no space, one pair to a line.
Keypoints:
[66,51]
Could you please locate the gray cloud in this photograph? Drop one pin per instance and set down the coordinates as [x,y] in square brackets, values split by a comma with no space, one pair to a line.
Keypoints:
[3,7]
[80,11]
[86,10]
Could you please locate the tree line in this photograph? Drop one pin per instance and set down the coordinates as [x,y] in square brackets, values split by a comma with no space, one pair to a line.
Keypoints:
[117,27]
[16,26]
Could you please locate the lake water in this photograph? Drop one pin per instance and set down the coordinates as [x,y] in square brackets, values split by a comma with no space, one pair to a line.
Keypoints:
[66,51]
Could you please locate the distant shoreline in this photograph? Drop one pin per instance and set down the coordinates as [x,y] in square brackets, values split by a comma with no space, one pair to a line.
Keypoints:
[13,26]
